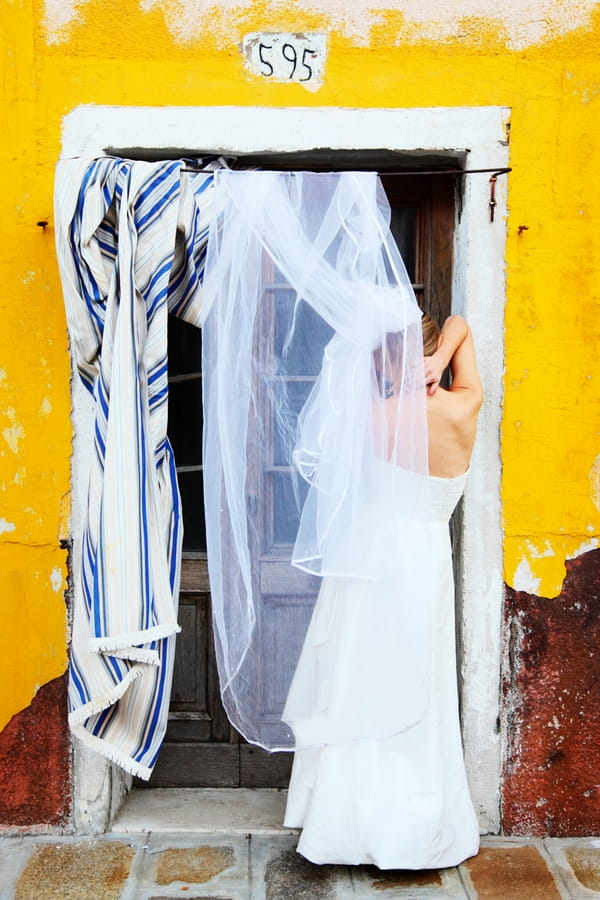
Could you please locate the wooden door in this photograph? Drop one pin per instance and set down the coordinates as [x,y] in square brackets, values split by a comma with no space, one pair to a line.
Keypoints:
[201,749]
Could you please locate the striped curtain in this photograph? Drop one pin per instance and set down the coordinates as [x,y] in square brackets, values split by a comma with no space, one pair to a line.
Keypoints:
[131,242]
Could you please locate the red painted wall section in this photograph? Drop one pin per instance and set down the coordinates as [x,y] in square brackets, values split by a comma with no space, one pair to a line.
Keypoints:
[35,762]
[552,706]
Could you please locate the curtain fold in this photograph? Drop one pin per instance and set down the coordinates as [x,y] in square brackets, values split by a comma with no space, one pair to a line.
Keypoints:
[131,242]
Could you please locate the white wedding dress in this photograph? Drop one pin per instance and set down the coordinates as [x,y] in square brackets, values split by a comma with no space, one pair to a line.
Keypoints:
[390,788]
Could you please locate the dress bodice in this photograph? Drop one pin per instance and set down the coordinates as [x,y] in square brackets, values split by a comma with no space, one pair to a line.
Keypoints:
[426,498]
[441,495]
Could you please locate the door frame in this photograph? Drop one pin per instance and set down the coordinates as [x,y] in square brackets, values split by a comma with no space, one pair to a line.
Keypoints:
[478,137]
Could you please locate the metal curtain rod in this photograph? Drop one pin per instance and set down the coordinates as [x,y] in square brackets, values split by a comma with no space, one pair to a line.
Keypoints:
[498,171]
[455,171]
[493,173]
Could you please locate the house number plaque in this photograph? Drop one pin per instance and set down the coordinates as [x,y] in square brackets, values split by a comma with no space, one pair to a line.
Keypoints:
[298,58]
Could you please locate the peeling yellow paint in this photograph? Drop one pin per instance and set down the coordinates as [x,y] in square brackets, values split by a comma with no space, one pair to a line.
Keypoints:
[14,433]
[33,647]
[538,571]
[19,475]
[520,24]
[595,482]
[56,579]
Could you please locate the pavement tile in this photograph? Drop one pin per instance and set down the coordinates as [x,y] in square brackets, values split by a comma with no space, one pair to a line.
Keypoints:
[90,870]
[195,865]
[287,875]
[14,853]
[511,872]
[585,862]
[279,873]
[556,850]
[192,894]
[202,865]
[444,884]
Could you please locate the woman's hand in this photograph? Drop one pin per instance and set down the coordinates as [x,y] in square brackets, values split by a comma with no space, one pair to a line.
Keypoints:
[434,369]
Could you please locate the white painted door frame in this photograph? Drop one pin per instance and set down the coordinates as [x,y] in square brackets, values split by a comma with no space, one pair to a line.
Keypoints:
[478,134]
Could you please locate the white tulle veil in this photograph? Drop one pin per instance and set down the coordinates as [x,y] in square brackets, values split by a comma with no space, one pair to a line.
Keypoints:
[314,398]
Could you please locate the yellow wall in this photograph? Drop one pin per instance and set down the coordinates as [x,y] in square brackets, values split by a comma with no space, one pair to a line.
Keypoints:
[61,54]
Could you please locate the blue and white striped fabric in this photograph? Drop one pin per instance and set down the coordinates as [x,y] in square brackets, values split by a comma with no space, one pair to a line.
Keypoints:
[131,241]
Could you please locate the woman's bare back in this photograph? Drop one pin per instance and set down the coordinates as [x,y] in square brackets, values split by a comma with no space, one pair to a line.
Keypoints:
[452,414]
[451,433]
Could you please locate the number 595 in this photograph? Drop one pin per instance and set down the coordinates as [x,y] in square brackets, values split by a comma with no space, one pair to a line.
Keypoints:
[300,67]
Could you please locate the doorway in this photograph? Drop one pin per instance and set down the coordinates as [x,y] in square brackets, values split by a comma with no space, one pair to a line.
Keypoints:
[478,138]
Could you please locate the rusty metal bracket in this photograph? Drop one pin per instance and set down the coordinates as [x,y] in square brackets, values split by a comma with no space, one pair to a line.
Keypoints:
[492,203]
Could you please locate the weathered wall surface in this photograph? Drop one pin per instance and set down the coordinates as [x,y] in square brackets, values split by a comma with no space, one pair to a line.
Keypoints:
[537,58]
[552,706]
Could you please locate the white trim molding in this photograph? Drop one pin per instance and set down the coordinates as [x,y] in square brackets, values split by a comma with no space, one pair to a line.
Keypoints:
[478,136]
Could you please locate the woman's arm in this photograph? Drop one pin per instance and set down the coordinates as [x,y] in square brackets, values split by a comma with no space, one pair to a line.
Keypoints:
[465,377]
[453,334]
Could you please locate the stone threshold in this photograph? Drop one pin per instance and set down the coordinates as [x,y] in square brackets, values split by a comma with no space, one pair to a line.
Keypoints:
[203,811]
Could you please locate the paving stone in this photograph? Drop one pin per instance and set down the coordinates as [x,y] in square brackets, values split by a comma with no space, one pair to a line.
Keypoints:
[511,873]
[94,870]
[14,853]
[207,866]
[288,875]
[397,878]
[369,881]
[195,865]
[585,862]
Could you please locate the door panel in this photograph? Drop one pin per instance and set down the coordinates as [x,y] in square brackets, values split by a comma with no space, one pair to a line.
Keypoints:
[196,713]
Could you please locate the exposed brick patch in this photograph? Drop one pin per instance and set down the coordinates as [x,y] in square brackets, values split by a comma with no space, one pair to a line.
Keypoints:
[511,873]
[551,683]
[35,761]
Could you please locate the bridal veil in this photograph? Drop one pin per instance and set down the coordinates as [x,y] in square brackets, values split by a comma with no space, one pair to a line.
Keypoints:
[314,397]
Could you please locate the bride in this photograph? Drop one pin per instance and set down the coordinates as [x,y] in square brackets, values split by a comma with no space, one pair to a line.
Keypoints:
[377,459]
[393,796]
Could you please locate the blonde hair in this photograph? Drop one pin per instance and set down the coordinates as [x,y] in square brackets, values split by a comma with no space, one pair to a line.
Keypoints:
[431,335]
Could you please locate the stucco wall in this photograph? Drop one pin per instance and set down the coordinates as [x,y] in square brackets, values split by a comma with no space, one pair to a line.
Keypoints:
[537,58]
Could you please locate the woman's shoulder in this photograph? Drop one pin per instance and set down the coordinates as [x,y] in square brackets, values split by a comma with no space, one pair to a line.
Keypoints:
[457,405]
